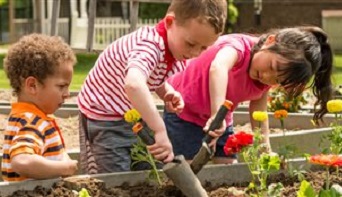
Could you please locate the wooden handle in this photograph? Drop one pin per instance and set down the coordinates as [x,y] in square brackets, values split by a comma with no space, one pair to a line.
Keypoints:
[219,117]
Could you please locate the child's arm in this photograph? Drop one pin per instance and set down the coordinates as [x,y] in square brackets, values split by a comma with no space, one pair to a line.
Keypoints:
[37,167]
[218,81]
[142,100]
[260,105]
[173,99]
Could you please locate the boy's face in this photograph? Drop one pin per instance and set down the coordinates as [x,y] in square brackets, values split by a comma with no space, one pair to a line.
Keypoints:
[189,39]
[52,94]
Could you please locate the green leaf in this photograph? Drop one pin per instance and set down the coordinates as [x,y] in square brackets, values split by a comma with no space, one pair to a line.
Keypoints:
[306,190]
[326,193]
[83,193]
[337,188]
[255,172]
[275,189]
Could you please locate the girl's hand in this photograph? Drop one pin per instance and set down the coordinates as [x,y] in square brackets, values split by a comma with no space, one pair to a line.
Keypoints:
[174,102]
[216,133]
[162,149]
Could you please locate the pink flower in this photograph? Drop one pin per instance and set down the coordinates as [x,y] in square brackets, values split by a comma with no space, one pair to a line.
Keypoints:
[237,141]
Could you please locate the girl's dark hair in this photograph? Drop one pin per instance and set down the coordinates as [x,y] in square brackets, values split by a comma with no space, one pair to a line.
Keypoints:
[306,52]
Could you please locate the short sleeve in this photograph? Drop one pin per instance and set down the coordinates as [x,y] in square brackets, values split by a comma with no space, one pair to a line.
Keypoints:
[28,140]
[145,56]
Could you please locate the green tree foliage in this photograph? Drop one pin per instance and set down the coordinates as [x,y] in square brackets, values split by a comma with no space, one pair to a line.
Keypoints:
[233,14]
[3,2]
[158,10]
[152,10]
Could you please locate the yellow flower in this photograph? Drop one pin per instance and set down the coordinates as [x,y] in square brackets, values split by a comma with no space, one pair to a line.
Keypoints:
[334,106]
[280,114]
[260,115]
[132,116]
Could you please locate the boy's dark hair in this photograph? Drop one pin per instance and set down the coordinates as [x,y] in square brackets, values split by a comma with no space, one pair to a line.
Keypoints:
[35,55]
[307,53]
[212,11]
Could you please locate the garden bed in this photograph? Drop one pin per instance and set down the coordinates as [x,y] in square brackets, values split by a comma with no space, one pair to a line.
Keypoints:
[300,132]
[216,179]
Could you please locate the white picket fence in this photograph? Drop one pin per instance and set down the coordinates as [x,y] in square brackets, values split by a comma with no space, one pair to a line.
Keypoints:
[26,26]
[109,29]
[106,29]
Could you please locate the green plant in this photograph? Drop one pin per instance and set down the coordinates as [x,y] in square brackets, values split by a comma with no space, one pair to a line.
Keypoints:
[278,99]
[275,190]
[306,190]
[335,138]
[139,152]
[260,163]
[83,193]
[286,151]
[327,161]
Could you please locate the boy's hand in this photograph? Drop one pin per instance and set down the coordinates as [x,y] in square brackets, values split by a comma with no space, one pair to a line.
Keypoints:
[174,102]
[71,167]
[162,149]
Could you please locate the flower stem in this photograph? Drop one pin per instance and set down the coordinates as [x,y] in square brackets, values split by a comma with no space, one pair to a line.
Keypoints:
[154,168]
[327,181]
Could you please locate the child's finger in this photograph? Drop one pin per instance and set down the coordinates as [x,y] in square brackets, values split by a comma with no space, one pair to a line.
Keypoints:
[169,158]
[168,97]
[161,156]
[214,134]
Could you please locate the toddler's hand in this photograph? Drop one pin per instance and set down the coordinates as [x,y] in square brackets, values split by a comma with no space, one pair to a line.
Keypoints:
[70,167]
[162,149]
[174,102]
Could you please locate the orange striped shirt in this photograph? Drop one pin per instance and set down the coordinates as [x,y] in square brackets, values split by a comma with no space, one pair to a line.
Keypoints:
[29,131]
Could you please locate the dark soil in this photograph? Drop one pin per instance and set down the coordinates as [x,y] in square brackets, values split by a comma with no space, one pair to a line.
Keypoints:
[96,188]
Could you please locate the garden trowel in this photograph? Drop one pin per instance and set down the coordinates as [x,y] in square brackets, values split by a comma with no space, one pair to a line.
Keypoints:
[205,153]
[178,170]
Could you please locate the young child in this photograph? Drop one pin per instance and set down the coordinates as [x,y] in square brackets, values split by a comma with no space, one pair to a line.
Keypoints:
[126,72]
[242,68]
[39,69]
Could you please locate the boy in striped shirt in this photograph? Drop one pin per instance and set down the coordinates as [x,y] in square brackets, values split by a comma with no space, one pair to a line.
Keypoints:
[126,72]
[39,69]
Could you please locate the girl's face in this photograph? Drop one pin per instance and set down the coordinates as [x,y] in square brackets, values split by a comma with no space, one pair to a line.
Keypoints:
[265,67]
[189,39]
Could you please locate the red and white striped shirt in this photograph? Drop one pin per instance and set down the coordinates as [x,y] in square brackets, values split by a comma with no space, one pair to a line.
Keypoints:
[102,96]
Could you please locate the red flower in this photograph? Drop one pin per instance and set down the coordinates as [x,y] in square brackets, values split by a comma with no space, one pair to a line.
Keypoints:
[237,141]
[326,160]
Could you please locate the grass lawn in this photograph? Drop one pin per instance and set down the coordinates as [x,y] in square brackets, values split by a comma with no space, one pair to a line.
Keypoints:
[337,76]
[86,61]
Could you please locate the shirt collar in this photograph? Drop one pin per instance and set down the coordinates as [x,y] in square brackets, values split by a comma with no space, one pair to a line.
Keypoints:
[168,58]
[21,107]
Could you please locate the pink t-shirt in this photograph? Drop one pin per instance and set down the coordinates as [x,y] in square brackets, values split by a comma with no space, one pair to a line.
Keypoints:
[193,82]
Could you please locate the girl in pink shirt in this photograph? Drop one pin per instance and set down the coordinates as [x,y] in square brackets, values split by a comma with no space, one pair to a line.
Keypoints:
[242,68]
